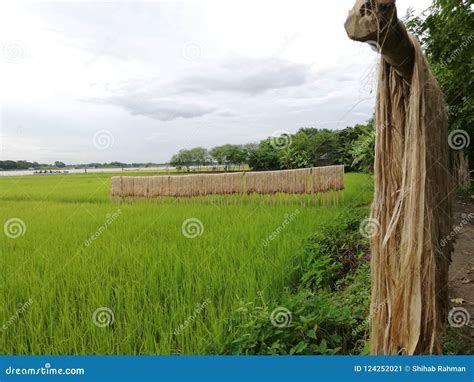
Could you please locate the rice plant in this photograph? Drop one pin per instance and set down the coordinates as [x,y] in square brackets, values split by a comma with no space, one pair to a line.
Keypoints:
[84,273]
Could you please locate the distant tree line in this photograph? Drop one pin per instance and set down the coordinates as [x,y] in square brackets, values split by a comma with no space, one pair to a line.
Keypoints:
[116,165]
[352,147]
[18,165]
[6,165]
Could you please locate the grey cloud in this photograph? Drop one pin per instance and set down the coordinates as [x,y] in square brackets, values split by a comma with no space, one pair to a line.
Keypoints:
[166,102]
[157,108]
[248,76]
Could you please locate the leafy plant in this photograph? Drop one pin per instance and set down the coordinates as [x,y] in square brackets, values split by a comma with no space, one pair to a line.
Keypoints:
[327,311]
[445,31]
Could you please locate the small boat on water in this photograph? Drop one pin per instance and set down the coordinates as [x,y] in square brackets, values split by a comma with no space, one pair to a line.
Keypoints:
[50,172]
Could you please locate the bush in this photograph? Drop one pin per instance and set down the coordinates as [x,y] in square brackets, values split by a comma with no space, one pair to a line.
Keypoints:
[333,252]
[326,313]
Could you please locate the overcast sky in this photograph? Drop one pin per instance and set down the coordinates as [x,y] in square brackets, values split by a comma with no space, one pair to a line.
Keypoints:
[137,81]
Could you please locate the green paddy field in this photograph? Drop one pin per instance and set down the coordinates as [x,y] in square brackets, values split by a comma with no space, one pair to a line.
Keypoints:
[82,273]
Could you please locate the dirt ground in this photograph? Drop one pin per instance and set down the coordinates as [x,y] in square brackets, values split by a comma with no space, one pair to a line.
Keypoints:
[461,274]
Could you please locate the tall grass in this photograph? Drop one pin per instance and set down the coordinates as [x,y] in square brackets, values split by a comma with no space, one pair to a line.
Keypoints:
[81,251]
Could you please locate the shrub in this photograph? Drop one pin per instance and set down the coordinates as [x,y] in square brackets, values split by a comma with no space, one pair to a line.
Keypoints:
[326,313]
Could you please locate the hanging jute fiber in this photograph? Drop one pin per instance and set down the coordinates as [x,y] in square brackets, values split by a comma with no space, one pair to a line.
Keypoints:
[116,186]
[223,184]
[299,181]
[285,181]
[330,178]
[413,211]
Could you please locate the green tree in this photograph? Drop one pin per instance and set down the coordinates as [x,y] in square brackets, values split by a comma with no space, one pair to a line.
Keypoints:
[363,153]
[59,164]
[292,158]
[199,157]
[229,155]
[8,165]
[265,157]
[320,146]
[446,32]
[183,159]
[218,153]
[347,138]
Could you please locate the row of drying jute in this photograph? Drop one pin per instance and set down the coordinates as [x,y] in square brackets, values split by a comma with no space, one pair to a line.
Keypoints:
[301,181]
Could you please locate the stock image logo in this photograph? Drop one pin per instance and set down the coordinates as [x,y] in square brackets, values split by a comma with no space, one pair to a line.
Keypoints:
[369,228]
[14,228]
[14,51]
[192,51]
[103,317]
[458,317]
[281,140]
[192,228]
[103,140]
[281,317]
[459,140]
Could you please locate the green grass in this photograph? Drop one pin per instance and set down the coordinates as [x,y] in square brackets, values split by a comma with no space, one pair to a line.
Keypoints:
[141,266]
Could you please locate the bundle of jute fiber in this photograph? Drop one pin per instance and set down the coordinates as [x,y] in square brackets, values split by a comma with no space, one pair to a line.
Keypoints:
[460,166]
[232,183]
[180,185]
[252,183]
[145,186]
[128,186]
[260,182]
[327,173]
[330,178]
[297,181]
[160,186]
[270,182]
[210,184]
[217,184]
[198,185]
[278,180]
[412,209]
[336,178]
[116,185]
[315,179]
